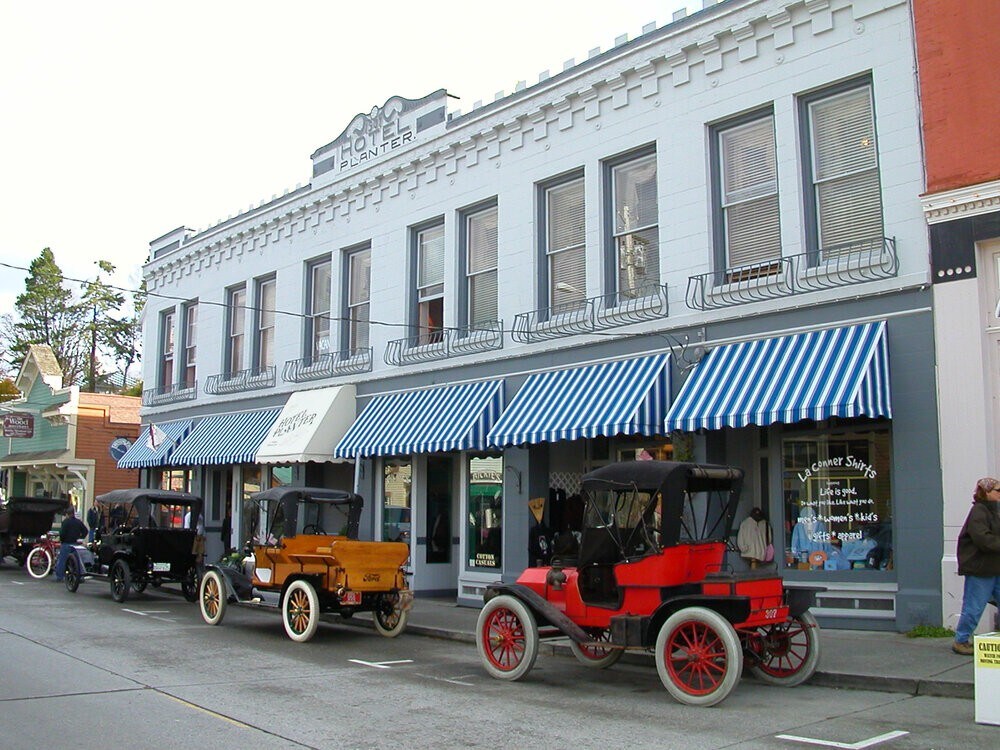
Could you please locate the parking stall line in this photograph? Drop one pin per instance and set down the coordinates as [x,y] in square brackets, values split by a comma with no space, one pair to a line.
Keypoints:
[452,680]
[381,664]
[859,745]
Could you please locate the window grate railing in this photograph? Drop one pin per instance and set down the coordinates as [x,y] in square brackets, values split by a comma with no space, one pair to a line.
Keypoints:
[591,314]
[829,268]
[444,344]
[344,362]
[170,394]
[254,379]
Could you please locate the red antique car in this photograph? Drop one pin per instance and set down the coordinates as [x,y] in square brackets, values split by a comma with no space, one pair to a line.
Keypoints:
[650,574]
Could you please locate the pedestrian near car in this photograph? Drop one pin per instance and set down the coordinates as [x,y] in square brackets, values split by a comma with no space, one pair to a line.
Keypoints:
[978,561]
[93,519]
[71,531]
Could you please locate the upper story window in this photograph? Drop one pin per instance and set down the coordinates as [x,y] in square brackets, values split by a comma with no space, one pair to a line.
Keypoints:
[236,304]
[745,182]
[636,232]
[318,308]
[359,282]
[189,367]
[430,284]
[845,205]
[564,245]
[480,236]
[167,348]
[264,343]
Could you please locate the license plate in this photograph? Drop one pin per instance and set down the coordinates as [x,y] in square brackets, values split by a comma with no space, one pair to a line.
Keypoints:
[350,597]
[161,567]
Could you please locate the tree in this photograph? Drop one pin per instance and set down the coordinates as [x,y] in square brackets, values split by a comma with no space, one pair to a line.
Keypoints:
[100,300]
[124,344]
[8,390]
[47,314]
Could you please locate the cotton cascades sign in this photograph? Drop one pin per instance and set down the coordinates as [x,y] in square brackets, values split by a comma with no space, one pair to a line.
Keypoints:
[18,425]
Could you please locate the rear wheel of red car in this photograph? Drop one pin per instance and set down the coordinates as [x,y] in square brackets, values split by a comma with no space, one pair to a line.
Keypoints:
[39,562]
[390,617]
[596,656]
[121,580]
[698,656]
[507,638]
[788,652]
[300,611]
[212,598]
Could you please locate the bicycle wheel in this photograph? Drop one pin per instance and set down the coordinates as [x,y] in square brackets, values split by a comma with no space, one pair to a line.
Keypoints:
[39,562]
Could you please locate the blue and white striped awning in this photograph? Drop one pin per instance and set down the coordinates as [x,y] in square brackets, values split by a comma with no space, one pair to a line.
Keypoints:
[225,439]
[445,418]
[627,397]
[839,372]
[155,444]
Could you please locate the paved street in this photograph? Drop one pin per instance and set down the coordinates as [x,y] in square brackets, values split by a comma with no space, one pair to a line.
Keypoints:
[150,674]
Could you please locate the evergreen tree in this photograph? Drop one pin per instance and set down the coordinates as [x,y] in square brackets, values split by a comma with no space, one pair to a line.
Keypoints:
[47,314]
[99,301]
[125,343]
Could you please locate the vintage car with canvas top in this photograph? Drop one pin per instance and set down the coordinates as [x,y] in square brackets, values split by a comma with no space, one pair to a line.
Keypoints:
[146,542]
[23,520]
[305,559]
[650,574]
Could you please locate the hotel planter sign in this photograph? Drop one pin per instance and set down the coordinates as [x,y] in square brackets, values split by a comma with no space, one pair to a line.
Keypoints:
[18,425]
[381,132]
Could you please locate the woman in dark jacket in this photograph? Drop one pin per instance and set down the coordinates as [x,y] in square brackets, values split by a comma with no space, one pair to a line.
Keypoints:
[978,561]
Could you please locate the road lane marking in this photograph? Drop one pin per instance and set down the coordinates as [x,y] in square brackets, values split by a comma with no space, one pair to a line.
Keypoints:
[381,664]
[859,745]
[151,614]
[453,680]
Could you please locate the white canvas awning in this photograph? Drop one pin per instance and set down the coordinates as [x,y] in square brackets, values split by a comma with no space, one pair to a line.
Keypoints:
[309,427]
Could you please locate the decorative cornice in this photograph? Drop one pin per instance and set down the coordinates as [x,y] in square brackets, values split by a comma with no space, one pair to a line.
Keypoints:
[961,203]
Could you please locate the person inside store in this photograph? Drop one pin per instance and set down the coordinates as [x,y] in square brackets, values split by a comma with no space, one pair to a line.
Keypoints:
[978,561]
[71,531]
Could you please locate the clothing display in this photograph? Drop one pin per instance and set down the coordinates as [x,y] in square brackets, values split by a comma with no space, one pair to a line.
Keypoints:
[754,537]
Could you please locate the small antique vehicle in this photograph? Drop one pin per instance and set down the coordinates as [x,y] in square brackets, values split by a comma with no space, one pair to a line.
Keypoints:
[23,520]
[146,542]
[650,573]
[306,560]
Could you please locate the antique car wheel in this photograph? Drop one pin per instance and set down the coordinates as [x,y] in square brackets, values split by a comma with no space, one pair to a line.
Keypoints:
[73,574]
[39,563]
[788,651]
[300,611]
[698,656]
[507,638]
[121,580]
[596,657]
[189,585]
[139,585]
[212,600]
[390,617]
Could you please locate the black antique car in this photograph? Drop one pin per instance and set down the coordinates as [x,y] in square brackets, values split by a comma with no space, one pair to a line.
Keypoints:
[149,540]
[23,520]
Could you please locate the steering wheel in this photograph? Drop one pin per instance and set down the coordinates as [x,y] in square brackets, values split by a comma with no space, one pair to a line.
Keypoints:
[316,529]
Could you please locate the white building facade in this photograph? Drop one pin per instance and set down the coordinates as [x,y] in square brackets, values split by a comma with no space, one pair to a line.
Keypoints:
[705,242]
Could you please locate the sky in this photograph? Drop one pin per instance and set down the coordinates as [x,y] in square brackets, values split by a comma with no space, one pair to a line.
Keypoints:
[120,121]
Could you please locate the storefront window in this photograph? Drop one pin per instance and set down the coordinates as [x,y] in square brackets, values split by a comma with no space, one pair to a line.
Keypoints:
[485,526]
[397,481]
[838,501]
[176,480]
[251,512]
[280,476]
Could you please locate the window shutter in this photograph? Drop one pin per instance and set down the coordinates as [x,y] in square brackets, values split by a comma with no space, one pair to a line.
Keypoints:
[482,298]
[431,249]
[566,219]
[482,239]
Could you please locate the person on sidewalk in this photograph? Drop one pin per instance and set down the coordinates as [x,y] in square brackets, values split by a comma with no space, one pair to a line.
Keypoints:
[71,531]
[978,561]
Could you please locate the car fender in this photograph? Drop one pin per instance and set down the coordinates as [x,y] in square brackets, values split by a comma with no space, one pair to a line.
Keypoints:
[801,598]
[238,585]
[734,608]
[545,612]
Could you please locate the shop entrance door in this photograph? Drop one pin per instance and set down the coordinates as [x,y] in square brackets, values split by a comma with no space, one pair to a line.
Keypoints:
[436,546]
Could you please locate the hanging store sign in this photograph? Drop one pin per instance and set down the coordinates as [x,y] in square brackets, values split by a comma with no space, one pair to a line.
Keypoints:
[18,425]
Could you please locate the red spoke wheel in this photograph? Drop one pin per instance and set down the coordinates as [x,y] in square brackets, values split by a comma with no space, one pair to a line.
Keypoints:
[788,652]
[300,611]
[698,656]
[596,656]
[507,638]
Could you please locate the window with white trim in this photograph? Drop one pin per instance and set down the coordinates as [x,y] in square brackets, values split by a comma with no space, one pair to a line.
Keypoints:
[264,344]
[747,192]
[843,170]
[189,368]
[481,266]
[318,309]
[236,303]
[359,282]
[430,284]
[565,247]
[636,230]
[167,349]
